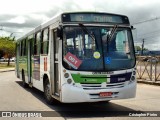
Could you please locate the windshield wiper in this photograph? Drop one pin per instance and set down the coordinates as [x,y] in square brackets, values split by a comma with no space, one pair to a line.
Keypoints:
[85,30]
[111,35]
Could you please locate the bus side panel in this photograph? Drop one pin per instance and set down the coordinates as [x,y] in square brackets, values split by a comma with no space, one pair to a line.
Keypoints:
[36,67]
[36,78]
[44,68]
[23,67]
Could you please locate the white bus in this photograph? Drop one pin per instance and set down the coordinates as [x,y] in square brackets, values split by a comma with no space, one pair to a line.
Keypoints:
[79,57]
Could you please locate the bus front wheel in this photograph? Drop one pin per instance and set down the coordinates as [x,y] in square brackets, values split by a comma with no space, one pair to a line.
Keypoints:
[47,92]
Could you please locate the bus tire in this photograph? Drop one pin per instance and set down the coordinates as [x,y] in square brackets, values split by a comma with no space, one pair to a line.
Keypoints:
[25,85]
[47,92]
[104,102]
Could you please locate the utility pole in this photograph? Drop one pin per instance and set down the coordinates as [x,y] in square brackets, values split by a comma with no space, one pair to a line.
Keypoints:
[142,47]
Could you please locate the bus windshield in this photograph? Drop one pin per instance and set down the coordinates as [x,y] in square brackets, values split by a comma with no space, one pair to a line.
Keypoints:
[87,48]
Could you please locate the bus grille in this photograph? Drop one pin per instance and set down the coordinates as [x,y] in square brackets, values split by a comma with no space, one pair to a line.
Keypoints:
[115,85]
[93,86]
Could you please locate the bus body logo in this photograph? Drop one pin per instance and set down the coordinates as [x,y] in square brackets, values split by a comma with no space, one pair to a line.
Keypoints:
[72,60]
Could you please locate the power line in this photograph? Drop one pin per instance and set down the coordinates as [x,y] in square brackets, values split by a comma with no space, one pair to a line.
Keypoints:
[146,21]
[151,36]
[154,32]
[146,40]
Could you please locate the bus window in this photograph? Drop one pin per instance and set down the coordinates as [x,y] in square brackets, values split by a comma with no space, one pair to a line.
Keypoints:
[45,42]
[79,43]
[24,48]
[70,45]
[21,48]
[57,44]
[37,43]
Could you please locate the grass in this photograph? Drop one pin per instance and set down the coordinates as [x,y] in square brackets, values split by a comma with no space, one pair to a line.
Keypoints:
[4,65]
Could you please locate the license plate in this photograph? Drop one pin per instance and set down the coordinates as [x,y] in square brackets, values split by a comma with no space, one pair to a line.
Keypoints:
[105,94]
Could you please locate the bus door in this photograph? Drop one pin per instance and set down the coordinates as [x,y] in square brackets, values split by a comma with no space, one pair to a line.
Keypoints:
[29,61]
[56,68]
[17,59]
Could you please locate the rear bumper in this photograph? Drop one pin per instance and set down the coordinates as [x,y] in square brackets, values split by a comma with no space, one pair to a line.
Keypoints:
[73,94]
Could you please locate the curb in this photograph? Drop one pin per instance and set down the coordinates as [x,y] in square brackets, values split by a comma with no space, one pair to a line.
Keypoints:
[1,71]
[149,82]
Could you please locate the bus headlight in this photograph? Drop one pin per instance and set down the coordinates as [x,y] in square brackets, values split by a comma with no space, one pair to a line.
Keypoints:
[66,75]
[69,81]
[134,73]
[133,78]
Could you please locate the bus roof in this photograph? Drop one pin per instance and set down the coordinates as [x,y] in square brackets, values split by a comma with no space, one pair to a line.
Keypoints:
[76,17]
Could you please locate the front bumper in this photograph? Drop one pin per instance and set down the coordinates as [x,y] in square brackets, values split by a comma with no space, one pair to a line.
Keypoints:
[75,94]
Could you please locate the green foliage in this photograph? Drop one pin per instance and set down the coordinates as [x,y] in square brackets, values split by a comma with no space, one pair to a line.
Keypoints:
[138,48]
[7,47]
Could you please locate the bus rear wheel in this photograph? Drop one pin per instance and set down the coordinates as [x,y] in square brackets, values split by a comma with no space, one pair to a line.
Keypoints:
[47,93]
[25,85]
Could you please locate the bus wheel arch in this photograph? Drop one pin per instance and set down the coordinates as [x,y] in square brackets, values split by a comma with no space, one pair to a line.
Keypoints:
[47,90]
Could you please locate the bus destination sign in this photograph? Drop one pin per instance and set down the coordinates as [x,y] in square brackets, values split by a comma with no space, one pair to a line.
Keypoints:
[95,17]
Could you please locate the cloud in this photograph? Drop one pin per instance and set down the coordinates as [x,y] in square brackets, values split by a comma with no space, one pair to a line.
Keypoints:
[25,21]
[18,19]
[28,14]
[5,17]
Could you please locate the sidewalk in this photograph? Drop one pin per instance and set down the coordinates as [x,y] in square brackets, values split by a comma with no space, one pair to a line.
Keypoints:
[7,70]
[149,82]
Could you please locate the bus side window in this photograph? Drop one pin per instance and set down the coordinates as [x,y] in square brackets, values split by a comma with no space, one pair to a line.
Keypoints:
[21,48]
[37,43]
[45,41]
[56,45]
[24,48]
[18,50]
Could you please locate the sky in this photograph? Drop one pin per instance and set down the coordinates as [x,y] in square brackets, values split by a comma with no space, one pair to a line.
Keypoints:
[18,17]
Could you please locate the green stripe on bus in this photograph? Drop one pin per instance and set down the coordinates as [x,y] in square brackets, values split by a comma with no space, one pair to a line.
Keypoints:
[78,78]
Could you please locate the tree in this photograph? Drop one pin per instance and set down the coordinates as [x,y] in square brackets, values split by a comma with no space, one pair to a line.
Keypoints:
[7,47]
[138,48]
[1,53]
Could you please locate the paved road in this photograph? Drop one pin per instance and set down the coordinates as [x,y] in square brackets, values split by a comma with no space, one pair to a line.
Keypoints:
[15,98]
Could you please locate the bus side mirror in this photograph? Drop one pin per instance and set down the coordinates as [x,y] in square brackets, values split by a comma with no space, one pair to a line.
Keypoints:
[59,32]
[133,28]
